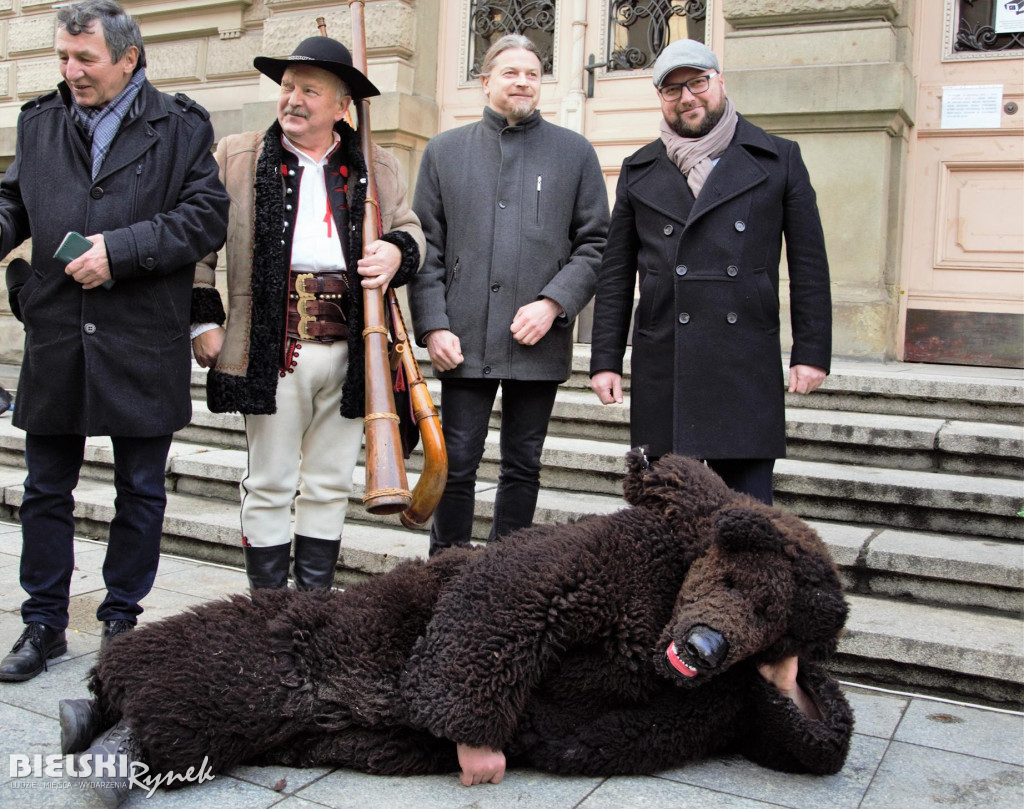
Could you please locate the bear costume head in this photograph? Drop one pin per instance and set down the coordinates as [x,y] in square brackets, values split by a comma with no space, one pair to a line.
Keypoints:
[763,586]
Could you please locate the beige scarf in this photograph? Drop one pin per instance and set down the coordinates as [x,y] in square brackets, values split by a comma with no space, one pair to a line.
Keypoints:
[694,155]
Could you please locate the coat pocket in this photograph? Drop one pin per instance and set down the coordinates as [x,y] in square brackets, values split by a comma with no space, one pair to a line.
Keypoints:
[769,300]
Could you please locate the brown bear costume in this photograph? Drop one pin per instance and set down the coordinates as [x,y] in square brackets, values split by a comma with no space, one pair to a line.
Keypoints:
[625,643]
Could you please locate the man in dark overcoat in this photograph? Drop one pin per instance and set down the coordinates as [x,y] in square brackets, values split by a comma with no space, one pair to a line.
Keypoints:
[107,348]
[700,215]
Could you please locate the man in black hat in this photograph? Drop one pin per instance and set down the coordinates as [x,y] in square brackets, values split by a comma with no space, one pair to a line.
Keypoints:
[291,355]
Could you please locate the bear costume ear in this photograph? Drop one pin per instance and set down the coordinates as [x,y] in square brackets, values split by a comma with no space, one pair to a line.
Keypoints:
[745,529]
[637,466]
[817,619]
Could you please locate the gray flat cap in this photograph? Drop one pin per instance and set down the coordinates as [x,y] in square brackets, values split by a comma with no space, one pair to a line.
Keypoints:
[684,53]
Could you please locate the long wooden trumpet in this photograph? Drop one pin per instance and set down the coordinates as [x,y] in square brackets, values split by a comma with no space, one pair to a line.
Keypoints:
[387,488]
[433,477]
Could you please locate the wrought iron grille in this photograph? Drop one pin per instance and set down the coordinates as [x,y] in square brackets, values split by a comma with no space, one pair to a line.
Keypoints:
[640,29]
[489,21]
[976,29]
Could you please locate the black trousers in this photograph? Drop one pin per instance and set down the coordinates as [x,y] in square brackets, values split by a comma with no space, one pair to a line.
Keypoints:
[465,412]
[751,476]
[47,525]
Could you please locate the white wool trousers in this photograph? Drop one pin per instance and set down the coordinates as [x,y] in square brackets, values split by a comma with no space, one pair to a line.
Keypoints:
[305,452]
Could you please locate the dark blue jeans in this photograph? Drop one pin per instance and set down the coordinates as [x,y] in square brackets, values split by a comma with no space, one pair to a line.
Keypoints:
[48,525]
[465,411]
[751,476]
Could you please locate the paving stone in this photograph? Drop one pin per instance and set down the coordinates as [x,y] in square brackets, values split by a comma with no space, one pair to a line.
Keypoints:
[658,793]
[737,776]
[913,777]
[874,713]
[520,789]
[283,780]
[962,729]
[204,581]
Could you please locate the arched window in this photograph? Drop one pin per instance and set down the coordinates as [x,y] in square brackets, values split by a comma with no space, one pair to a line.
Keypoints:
[638,30]
[490,20]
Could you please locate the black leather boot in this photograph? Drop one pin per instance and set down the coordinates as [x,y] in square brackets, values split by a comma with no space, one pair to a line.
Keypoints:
[80,723]
[37,644]
[267,568]
[111,629]
[119,746]
[316,560]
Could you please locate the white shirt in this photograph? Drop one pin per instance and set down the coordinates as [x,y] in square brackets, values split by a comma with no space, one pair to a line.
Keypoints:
[315,243]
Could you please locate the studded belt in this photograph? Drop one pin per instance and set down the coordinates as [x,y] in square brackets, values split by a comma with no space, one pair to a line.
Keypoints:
[316,306]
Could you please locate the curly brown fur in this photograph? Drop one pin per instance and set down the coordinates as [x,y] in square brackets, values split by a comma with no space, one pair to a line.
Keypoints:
[555,645]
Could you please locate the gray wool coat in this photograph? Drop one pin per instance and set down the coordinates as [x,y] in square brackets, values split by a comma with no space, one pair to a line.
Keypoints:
[112,361]
[511,214]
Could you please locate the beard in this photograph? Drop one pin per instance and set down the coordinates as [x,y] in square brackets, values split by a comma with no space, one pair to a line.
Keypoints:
[712,115]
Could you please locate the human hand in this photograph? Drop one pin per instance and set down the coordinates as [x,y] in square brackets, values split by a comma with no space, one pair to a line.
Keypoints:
[206,347]
[480,765]
[445,349]
[805,378]
[608,386]
[534,320]
[379,264]
[92,268]
[783,676]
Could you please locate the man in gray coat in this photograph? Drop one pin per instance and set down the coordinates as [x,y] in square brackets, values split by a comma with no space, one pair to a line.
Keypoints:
[107,333]
[700,216]
[515,211]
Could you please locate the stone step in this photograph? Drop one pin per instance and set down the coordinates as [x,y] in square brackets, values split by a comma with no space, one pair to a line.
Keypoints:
[950,651]
[926,501]
[899,442]
[967,651]
[939,568]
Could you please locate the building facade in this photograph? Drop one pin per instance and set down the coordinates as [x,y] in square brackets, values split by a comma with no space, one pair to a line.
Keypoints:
[908,113]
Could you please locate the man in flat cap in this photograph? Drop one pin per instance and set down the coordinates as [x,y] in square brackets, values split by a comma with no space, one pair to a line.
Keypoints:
[699,215]
[290,357]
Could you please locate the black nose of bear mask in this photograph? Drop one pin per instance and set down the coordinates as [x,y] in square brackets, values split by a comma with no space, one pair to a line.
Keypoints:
[706,647]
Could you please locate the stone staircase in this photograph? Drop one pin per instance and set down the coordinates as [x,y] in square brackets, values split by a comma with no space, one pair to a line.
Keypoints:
[912,474]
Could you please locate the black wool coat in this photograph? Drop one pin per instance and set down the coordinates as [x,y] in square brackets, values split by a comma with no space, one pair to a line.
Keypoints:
[707,376]
[111,361]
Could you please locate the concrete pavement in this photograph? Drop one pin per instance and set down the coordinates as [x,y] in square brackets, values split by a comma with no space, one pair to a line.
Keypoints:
[909,752]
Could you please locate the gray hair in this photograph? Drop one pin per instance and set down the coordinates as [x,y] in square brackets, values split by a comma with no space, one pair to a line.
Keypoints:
[507,43]
[120,31]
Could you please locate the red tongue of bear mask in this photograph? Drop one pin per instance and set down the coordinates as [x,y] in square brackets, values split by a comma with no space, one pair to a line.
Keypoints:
[677,664]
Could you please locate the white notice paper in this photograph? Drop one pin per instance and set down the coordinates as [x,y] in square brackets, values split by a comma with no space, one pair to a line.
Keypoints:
[972,106]
[1009,16]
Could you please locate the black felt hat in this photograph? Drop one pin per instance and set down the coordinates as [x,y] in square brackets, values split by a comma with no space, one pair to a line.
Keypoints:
[325,53]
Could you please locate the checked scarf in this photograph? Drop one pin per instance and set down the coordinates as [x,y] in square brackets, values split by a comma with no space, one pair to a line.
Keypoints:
[101,123]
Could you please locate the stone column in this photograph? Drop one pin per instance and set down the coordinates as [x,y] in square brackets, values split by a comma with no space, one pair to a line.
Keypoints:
[835,76]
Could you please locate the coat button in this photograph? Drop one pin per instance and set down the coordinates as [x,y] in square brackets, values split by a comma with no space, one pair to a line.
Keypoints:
[731,317]
[732,271]
[90,328]
[487,369]
[287,191]
[287,207]
[495,287]
[502,203]
[684,318]
[681,269]
[667,230]
[149,263]
[740,225]
[291,172]
[96,193]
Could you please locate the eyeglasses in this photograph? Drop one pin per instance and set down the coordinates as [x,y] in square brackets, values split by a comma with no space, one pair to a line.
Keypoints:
[696,85]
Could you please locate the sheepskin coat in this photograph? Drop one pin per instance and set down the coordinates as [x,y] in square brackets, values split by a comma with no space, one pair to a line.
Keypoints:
[262,179]
[556,646]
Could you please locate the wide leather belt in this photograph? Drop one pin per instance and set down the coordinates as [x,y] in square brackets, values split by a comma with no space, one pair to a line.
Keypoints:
[316,306]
